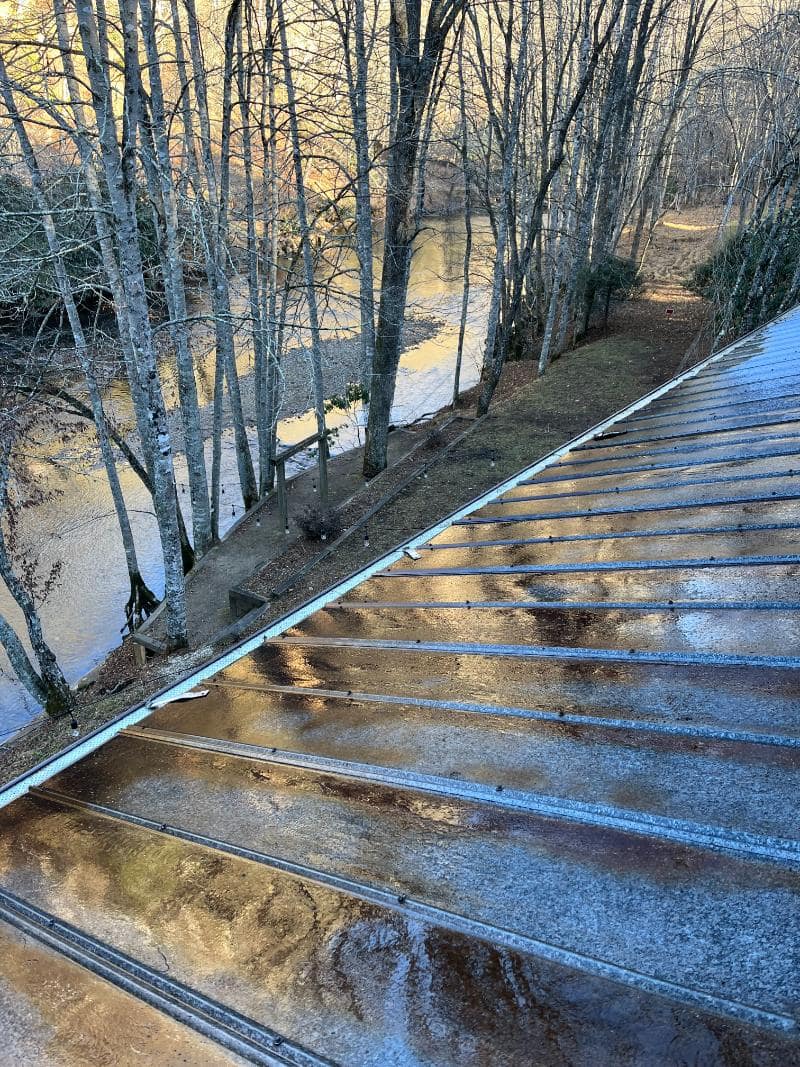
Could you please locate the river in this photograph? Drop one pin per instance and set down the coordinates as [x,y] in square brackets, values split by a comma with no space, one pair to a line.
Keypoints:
[75,526]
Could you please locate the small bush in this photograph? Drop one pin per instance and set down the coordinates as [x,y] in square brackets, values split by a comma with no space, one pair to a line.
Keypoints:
[435,439]
[354,392]
[29,292]
[320,524]
[611,278]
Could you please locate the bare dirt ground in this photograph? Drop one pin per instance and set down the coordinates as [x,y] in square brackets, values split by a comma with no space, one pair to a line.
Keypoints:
[682,241]
[646,344]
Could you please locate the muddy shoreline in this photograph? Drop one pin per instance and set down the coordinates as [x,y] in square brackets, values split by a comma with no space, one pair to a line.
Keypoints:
[341,366]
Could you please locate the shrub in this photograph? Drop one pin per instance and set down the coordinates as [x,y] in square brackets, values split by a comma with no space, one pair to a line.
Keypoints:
[354,392]
[320,524]
[435,439]
[29,292]
[611,278]
[748,277]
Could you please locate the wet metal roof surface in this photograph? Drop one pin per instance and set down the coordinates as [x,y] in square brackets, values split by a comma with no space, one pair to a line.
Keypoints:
[529,798]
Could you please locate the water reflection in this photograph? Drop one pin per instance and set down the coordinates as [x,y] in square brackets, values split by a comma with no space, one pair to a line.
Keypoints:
[735,697]
[88,1020]
[353,980]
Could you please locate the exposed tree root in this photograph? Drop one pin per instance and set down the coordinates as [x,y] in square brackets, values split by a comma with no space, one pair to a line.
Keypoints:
[141,604]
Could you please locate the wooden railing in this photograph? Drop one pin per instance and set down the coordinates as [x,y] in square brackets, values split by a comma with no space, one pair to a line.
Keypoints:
[279,462]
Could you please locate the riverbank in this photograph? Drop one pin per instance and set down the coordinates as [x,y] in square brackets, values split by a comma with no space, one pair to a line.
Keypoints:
[73,528]
[341,366]
[646,345]
[341,360]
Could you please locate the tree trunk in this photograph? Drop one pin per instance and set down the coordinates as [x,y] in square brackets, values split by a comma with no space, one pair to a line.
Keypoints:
[398,240]
[119,171]
[174,285]
[413,68]
[23,668]
[266,407]
[51,689]
[494,355]
[308,257]
[142,601]
[216,234]
[465,170]
[257,325]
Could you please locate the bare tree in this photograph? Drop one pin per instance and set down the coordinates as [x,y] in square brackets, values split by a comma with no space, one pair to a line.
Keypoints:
[118,164]
[416,52]
[141,601]
[45,682]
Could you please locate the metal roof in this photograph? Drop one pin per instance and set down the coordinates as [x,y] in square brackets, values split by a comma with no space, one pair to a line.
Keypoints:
[526,795]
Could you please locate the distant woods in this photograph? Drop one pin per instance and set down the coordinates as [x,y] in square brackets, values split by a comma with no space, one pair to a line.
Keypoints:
[154,150]
[755,272]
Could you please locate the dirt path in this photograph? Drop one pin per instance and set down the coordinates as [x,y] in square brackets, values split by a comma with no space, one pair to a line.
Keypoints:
[681,242]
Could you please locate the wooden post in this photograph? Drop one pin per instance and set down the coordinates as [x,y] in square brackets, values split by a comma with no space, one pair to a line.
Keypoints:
[280,466]
[283,506]
[322,458]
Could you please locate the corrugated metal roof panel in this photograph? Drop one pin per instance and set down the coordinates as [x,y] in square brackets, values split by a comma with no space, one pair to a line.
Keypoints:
[527,798]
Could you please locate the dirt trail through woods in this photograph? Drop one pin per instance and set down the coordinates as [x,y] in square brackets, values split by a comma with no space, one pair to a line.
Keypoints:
[681,242]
